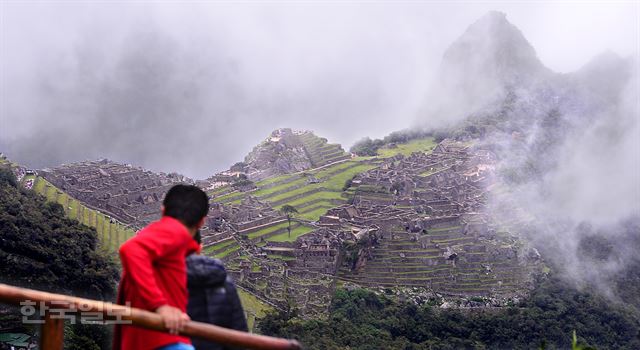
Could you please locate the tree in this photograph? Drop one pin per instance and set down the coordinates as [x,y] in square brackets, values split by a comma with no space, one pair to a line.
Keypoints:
[7,177]
[289,211]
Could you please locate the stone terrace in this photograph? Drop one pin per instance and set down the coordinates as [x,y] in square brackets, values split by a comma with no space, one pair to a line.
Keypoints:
[414,221]
[129,194]
[433,233]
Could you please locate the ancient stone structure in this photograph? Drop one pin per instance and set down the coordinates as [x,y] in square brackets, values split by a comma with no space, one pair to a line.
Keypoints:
[434,231]
[130,194]
[416,221]
[285,151]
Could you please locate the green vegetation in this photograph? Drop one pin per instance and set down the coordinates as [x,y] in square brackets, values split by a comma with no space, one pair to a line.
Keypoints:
[220,190]
[267,230]
[316,212]
[322,195]
[289,211]
[219,245]
[310,200]
[369,147]
[220,250]
[253,307]
[292,236]
[264,192]
[229,197]
[111,233]
[274,179]
[328,182]
[361,319]
[43,249]
[227,252]
[420,145]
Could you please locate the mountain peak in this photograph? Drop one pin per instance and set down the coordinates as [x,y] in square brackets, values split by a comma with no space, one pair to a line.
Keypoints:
[284,151]
[494,48]
[603,60]
[494,17]
[489,59]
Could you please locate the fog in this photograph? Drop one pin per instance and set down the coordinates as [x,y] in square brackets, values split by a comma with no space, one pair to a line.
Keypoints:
[573,176]
[193,87]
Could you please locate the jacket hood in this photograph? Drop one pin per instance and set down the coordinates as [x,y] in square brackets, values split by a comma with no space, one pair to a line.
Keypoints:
[203,271]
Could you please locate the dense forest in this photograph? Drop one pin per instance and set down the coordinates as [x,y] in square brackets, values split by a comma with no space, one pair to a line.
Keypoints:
[364,320]
[40,248]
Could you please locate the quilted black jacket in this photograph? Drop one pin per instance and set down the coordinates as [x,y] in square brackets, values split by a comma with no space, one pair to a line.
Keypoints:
[213,298]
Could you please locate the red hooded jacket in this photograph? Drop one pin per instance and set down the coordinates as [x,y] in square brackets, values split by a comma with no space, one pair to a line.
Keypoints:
[154,274]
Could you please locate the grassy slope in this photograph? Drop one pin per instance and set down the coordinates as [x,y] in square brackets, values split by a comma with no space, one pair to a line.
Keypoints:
[253,307]
[295,233]
[111,234]
[419,145]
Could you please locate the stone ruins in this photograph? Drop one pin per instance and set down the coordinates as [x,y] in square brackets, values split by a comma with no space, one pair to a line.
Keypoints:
[285,151]
[129,194]
[416,221]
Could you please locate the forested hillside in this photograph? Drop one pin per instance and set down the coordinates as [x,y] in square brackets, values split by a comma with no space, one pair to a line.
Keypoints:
[41,248]
[363,320]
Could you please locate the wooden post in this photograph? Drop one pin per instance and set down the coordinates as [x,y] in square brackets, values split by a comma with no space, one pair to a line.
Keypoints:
[52,335]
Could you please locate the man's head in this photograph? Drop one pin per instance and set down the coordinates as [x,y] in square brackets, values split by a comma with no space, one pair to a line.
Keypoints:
[187,203]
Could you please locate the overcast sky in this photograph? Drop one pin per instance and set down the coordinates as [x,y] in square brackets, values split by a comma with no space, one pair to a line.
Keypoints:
[193,87]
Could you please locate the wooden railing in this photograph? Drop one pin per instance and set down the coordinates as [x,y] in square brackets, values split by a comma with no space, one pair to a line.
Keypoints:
[52,335]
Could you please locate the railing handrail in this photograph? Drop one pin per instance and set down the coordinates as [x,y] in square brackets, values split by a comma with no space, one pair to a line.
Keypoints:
[145,319]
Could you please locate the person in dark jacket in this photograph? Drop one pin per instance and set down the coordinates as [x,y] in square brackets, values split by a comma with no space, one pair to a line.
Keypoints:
[213,298]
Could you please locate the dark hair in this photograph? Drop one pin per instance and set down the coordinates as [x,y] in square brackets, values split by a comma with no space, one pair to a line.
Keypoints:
[187,203]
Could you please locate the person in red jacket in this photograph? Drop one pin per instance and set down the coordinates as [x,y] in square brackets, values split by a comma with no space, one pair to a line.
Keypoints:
[154,274]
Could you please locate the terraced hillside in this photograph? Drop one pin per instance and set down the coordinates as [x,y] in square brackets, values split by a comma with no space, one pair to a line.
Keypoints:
[110,232]
[130,194]
[450,261]
[302,263]
[412,217]
[311,193]
[284,152]
[319,151]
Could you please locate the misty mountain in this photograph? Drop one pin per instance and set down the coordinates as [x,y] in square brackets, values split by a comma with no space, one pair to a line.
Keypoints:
[491,57]
[565,141]
[491,50]
[604,77]
[492,63]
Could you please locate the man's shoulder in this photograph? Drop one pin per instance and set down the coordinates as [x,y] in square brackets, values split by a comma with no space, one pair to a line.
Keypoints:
[204,271]
[197,259]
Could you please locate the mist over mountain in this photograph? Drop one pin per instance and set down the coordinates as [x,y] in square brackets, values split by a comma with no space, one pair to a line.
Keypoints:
[503,182]
[200,83]
[567,143]
[491,57]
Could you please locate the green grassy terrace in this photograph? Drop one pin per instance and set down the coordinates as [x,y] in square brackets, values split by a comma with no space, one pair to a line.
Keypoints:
[111,233]
[312,200]
[419,145]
